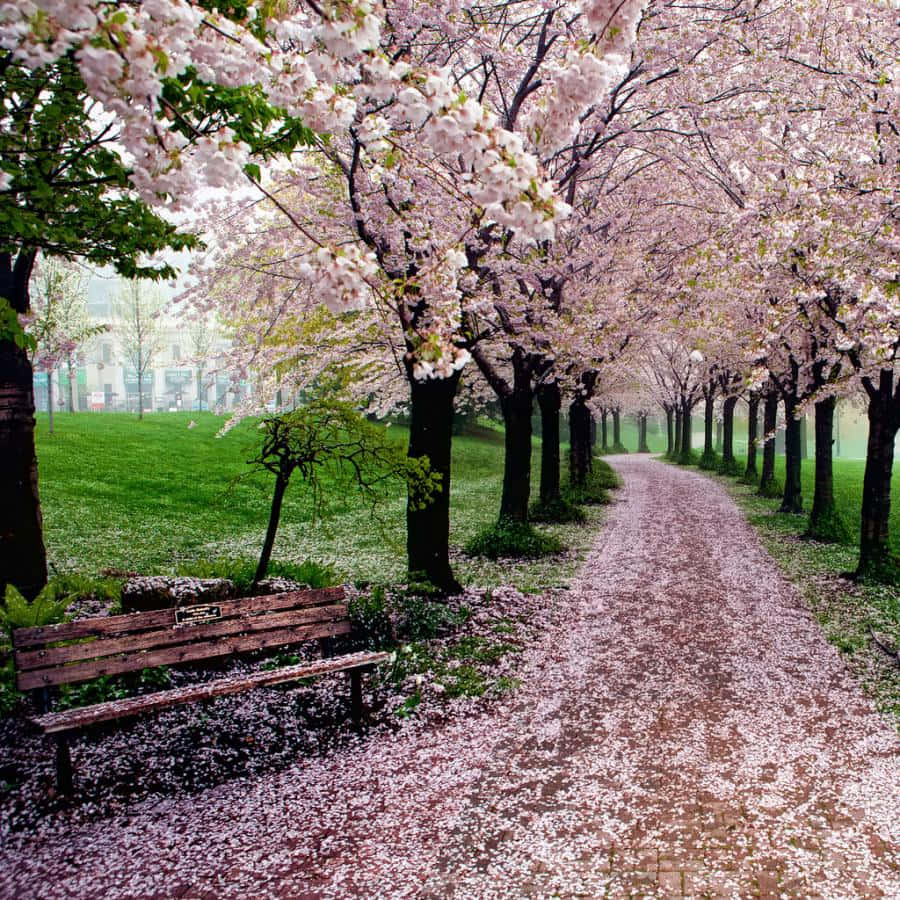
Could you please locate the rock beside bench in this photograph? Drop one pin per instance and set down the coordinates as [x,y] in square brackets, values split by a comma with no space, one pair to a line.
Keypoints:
[150,592]
[145,593]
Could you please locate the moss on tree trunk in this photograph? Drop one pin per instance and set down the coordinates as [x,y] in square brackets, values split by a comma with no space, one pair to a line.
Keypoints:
[431,435]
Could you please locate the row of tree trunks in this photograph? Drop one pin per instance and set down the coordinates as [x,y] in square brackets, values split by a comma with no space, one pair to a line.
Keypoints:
[23,559]
[604,431]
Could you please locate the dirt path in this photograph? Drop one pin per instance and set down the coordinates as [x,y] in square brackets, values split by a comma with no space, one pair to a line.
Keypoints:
[690,733]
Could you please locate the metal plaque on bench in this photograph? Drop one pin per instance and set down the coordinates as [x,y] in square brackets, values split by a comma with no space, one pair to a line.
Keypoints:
[197,615]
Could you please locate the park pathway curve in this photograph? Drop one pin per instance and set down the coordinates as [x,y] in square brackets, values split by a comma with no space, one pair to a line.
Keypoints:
[688,732]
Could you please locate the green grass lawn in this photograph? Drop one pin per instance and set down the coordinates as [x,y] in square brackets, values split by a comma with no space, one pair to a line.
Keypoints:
[848,482]
[148,495]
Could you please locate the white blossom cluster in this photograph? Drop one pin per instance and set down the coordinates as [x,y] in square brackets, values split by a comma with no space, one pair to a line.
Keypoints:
[341,277]
[576,84]
[314,66]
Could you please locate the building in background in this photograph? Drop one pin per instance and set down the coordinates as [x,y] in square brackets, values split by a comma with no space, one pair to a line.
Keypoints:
[187,372]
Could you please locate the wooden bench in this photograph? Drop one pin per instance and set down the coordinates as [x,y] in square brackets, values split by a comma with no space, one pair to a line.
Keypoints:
[71,652]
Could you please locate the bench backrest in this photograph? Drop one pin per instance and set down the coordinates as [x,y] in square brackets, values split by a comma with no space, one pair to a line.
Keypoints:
[78,651]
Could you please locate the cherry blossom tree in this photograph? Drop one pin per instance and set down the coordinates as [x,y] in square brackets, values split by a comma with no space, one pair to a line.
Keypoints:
[59,324]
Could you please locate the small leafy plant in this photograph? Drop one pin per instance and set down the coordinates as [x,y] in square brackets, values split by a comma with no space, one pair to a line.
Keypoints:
[45,609]
[371,623]
[422,619]
[509,538]
[327,442]
[557,511]
[113,687]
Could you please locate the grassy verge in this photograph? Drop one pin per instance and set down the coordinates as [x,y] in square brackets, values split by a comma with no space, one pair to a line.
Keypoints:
[155,495]
[846,610]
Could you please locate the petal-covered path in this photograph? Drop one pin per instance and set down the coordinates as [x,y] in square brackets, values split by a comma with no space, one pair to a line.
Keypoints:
[688,732]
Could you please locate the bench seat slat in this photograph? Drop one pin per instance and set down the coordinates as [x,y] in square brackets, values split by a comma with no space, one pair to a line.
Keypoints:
[72,719]
[177,634]
[221,646]
[110,625]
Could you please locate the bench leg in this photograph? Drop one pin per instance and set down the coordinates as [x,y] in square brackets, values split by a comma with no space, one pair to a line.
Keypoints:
[356,704]
[64,780]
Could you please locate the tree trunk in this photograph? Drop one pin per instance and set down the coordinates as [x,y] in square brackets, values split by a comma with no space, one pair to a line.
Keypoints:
[720,435]
[837,430]
[23,559]
[768,487]
[199,390]
[140,381]
[72,375]
[642,434]
[550,403]
[281,483]
[792,499]
[670,434]
[604,433]
[617,445]
[709,411]
[875,557]
[684,455]
[750,473]
[50,402]
[676,449]
[824,522]
[708,460]
[517,408]
[431,434]
[579,442]
[729,464]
